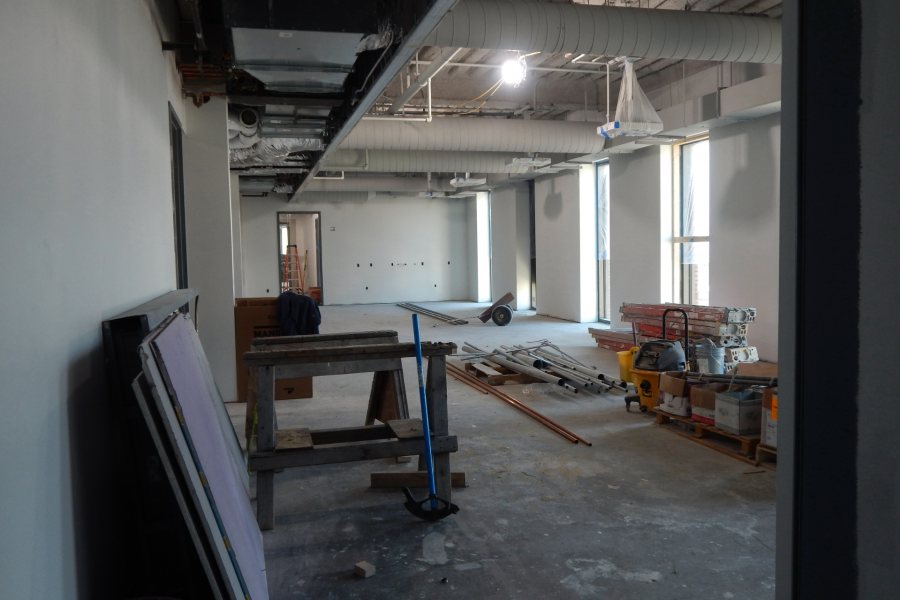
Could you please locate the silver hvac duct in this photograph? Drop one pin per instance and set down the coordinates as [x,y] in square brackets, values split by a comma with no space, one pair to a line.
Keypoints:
[554,27]
[266,151]
[401,161]
[379,184]
[476,135]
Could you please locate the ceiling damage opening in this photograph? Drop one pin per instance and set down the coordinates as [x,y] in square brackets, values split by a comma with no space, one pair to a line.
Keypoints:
[297,74]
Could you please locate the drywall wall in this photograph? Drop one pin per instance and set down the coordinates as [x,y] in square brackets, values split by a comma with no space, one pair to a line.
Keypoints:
[395,234]
[743,222]
[207,200]
[510,245]
[634,218]
[237,278]
[85,232]
[878,454]
[565,245]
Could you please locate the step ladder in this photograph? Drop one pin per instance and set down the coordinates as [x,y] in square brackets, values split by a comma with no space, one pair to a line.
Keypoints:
[292,277]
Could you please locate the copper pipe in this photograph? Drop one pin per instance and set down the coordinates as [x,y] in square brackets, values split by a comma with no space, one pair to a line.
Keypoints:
[476,383]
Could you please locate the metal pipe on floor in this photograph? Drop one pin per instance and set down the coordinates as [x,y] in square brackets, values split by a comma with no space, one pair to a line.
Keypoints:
[606,380]
[537,361]
[504,359]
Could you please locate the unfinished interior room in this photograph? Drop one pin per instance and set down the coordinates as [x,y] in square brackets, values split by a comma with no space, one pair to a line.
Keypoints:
[449,299]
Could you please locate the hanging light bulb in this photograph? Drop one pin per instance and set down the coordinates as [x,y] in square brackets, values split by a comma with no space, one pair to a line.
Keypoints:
[513,71]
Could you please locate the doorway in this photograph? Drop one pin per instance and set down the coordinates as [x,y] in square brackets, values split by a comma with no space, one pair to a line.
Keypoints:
[299,236]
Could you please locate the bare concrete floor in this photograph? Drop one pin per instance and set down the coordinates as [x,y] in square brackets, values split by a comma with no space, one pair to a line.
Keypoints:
[643,513]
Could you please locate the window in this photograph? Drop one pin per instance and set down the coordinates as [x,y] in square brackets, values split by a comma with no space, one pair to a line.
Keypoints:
[690,219]
[603,296]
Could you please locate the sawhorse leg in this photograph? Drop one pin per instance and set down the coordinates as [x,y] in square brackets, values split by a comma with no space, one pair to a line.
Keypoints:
[265,443]
[436,394]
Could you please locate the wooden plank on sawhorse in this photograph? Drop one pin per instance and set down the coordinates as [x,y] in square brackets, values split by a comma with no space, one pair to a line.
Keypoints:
[406,429]
[411,479]
[293,439]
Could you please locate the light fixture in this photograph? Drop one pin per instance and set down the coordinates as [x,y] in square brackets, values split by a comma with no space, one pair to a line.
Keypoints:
[513,71]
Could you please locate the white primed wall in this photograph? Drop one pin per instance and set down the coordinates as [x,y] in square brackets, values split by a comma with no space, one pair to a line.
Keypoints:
[744,226]
[634,218]
[511,245]
[589,290]
[85,233]
[207,198]
[361,228]
[565,245]
[237,270]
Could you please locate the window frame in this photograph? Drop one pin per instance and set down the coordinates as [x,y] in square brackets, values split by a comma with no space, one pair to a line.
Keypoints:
[682,278]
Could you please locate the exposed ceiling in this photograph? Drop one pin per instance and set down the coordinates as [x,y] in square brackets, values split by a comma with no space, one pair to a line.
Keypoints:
[300,75]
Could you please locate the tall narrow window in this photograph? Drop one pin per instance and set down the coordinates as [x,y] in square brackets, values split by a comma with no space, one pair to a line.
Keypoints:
[603,279]
[181,276]
[691,223]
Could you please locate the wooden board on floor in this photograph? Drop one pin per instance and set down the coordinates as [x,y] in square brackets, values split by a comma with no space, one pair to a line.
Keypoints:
[494,374]
[412,479]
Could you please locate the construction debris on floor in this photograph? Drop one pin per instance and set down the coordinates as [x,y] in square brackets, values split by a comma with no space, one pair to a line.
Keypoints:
[678,370]
[542,362]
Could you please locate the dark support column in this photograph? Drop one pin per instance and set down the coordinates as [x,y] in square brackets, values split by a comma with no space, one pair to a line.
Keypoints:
[436,386]
[820,231]
[265,442]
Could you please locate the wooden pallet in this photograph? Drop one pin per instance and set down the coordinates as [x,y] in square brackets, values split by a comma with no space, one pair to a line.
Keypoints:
[766,455]
[740,447]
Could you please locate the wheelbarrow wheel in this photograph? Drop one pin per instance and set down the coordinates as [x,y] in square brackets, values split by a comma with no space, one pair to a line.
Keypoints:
[502,315]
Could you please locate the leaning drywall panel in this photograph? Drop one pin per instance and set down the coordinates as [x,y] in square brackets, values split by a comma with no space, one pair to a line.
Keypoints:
[85,232]
[744,225]
[373,246]
[634,216]
[557,226]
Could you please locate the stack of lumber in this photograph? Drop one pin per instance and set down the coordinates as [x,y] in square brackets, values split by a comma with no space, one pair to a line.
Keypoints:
[613,339]
[726,326]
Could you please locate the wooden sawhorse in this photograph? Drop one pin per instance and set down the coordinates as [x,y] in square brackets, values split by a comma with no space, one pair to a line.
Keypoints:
[397,437]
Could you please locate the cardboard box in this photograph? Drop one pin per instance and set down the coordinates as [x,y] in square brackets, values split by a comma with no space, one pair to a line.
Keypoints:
[739,412]
[769,424]
[675,405]
[703,401]
[674,383]
[757,369]
[256,318]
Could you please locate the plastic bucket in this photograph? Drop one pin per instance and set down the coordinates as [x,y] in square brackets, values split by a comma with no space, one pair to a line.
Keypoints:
[710,358]
[626,359]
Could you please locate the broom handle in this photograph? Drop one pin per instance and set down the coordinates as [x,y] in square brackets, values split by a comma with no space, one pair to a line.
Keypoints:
[426,427]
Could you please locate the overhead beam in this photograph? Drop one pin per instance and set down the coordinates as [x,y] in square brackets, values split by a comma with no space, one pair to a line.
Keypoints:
[400,58]
[286,100]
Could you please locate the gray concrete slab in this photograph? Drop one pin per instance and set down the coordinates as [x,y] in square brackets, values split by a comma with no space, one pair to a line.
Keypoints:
[643,513]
